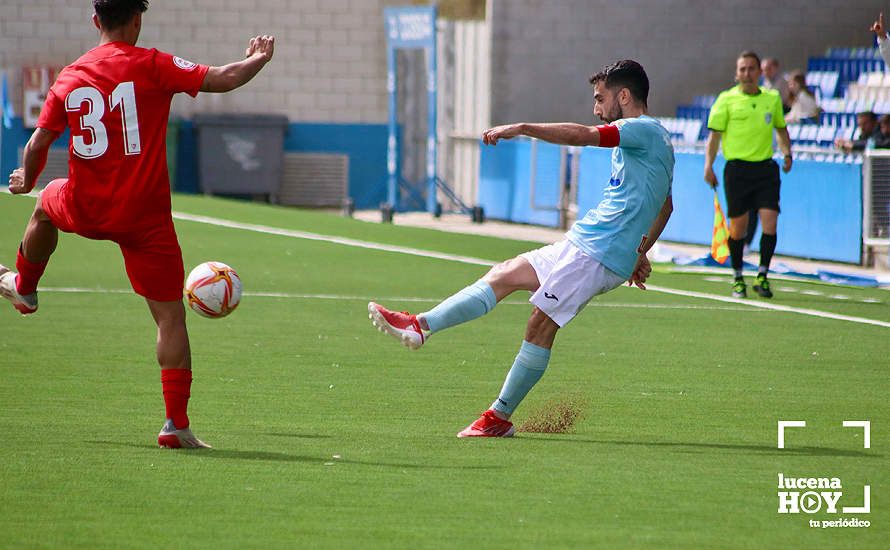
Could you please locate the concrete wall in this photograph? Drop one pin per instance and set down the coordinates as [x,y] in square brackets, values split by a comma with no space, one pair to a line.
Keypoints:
[329,61]
[545,50]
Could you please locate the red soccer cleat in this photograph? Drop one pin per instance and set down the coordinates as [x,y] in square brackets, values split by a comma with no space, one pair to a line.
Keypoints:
[24,304]
[488,425]
[402,326]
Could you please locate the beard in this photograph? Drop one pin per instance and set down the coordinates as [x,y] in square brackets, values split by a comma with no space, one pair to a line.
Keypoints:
[612,115]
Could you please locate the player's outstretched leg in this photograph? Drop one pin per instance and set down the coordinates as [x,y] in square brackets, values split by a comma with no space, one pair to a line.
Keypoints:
[401,325]
[38,244]
[413,330]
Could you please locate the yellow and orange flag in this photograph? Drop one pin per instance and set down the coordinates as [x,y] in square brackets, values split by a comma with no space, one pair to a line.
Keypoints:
[720,238]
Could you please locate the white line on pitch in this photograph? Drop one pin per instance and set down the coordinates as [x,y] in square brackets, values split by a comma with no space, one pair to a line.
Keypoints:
[330,239]
[478,261]
[771,306]
[396,299]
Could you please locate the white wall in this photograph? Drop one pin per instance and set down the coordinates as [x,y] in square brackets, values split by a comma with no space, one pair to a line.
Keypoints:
[329,65]
[330,61]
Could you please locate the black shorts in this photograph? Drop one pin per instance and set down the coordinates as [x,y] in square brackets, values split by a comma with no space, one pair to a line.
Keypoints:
[751,186]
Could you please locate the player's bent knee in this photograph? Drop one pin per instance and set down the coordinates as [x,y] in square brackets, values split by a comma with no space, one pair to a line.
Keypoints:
[39,213]
[509,275]
[541,329]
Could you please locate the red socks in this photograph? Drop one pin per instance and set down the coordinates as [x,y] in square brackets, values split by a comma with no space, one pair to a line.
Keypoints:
[177,384]
[29,274]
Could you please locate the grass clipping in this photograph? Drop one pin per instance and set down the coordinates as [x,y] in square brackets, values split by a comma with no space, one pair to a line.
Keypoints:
[554,417]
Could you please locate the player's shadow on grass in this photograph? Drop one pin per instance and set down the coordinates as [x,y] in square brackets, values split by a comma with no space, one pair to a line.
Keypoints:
[275,456]
[699,447]
[296,435]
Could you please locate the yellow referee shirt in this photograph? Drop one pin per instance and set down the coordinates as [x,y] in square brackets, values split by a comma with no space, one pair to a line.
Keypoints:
[747,122]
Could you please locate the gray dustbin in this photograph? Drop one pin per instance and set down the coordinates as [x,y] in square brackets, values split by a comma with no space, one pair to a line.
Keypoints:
[241,154]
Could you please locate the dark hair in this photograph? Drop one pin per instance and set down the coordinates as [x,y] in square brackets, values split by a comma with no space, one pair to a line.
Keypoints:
[114,14]
[625,74]
[801,80]
[752,55]
[869,115]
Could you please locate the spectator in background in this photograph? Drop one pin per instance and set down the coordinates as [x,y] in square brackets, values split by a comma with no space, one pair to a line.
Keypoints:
[881,33]
[804,107]
[773,80]
[882,137]
[868,129]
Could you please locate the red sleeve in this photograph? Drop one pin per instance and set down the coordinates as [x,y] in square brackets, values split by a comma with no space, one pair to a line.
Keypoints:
[53,116]
[176,74]
[609,136]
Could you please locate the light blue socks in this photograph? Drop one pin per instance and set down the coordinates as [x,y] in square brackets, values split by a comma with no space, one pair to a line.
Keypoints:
[528,368]
[474,301]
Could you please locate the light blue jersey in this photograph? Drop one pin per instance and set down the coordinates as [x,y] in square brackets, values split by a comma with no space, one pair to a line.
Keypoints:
[642,172]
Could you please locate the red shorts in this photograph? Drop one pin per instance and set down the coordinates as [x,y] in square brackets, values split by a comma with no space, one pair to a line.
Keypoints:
[152,255]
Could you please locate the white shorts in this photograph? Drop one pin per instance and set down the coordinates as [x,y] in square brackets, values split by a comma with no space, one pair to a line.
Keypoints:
[569,279]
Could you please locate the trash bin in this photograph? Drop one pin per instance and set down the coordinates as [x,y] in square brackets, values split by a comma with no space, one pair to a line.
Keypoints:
[241,154]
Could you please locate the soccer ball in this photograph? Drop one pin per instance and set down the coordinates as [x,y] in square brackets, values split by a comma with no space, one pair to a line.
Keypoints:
[213,290]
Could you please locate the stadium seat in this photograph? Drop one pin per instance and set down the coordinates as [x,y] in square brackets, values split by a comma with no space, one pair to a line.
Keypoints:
[826,134]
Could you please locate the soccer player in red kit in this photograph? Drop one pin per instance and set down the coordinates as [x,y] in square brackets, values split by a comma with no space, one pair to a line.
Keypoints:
[116,100]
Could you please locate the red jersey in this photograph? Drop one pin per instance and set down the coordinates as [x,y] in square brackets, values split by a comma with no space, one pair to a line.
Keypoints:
[116,100]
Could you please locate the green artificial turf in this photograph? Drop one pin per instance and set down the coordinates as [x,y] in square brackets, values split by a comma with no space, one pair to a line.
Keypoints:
[328,434]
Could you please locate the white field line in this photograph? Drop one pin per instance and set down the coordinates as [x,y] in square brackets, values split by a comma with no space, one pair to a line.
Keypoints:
[330,239]
[771,306]
[478,261]
[396,299]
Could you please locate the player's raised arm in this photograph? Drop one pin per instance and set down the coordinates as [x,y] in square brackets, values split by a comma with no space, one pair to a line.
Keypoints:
[878,27]
[560,133]
[234,75]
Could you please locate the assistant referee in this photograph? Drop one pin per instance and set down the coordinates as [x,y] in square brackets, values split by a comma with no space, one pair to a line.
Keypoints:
[745,116]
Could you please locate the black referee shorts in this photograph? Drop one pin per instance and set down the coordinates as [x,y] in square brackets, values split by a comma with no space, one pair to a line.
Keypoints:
[751,186]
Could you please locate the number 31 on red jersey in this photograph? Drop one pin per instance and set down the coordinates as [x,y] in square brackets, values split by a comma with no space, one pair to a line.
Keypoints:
[123,96]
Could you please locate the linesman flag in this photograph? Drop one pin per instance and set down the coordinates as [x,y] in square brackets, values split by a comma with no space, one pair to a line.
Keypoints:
[720,238]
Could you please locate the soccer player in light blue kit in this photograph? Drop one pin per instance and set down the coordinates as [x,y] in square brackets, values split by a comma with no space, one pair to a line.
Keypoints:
[600,252]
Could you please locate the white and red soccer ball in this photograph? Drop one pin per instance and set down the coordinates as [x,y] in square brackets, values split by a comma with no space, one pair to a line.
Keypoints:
[213,290]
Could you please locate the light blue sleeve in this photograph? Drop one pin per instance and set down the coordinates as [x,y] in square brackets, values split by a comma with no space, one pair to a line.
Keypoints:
[634,133]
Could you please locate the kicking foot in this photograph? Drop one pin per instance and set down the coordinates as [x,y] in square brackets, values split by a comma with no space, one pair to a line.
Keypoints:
[171,438]
[402,326]
[488,425]
[761,287]
[24,304]
[739,289]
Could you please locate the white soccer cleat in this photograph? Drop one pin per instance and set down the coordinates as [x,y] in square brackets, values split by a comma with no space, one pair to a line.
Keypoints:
[171,438]
[402,326]
[24,304]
